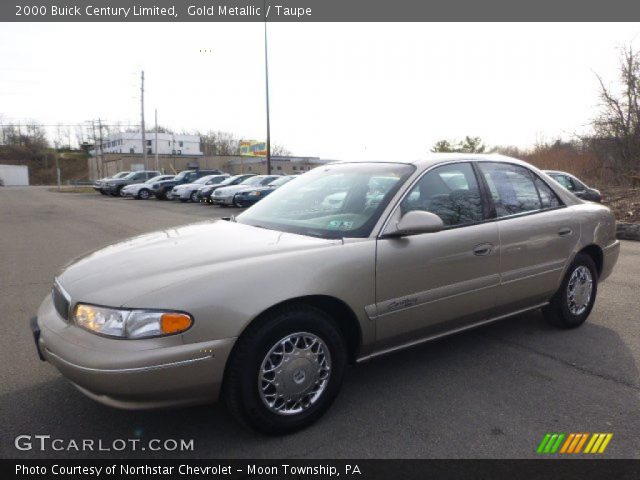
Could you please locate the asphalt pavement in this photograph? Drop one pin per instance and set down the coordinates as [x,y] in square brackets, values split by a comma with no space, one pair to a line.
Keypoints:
[493,392]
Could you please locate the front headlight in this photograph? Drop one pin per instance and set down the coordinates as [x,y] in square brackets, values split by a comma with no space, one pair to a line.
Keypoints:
[124,323]
[256,193]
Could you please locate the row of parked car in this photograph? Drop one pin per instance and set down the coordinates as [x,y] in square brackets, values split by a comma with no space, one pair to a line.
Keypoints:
[198,186]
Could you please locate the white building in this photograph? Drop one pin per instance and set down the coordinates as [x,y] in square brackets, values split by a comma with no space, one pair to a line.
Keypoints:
[168,144]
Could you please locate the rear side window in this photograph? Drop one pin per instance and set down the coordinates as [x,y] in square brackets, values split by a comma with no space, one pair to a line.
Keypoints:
[547,196]
[512,188]
[563,180]
[449,191]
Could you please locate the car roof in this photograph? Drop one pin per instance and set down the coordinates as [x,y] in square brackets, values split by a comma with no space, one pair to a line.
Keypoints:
[435,158]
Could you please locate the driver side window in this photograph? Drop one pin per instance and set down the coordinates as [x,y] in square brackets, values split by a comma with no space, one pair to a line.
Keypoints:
[449,191]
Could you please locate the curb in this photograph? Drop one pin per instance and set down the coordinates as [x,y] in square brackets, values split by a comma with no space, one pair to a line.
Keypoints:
[628,231]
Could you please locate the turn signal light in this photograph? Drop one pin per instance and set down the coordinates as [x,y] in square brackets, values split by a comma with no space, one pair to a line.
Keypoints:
[175,322]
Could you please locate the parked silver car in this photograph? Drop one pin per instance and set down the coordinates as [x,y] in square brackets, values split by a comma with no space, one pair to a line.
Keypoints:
[575,186]
[224,196]
[142,191]
[268,308]
[189,191]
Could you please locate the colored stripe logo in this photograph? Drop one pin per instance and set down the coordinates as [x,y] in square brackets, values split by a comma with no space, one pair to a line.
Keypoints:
[573,443]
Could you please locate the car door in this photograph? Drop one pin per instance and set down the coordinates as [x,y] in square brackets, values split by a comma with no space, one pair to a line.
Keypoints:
[438,281]
[537,235]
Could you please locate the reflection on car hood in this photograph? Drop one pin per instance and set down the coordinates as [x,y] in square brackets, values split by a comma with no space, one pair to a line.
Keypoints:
[188,185]
[123,271]
[231,189]
[134,185]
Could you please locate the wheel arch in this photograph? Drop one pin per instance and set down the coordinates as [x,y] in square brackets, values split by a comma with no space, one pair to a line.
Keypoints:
[595,252]
[341,314]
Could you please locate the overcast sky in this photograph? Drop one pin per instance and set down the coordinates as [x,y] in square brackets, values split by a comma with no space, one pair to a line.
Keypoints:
[343,90]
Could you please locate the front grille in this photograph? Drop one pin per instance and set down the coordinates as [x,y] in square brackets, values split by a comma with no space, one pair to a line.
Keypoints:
[60,302]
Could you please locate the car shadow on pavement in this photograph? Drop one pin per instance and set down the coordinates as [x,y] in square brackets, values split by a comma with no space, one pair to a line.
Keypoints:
[491,392]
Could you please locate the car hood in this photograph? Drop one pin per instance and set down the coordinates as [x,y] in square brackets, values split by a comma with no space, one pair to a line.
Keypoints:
[232,189]
[126,270]
[135,185]
[256,189]
[183,186]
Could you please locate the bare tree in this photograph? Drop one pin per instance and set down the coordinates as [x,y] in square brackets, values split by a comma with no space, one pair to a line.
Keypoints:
[468,145]
[617,127]
[280,151]
[219,143]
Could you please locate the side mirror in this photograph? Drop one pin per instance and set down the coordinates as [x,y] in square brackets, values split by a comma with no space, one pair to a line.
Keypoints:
[414,223]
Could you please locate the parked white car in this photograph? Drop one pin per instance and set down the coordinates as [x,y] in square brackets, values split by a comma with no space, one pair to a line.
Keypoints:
[142,190]
[189,191]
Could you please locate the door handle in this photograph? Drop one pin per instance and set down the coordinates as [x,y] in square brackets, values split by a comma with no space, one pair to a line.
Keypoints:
[564,232]
[483,249]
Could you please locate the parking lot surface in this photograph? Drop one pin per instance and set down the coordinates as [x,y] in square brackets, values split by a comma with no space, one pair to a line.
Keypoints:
[493,392]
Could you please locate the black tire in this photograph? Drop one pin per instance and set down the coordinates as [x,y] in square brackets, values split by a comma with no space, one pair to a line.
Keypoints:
[241,390]
[559,312]
[102,192]
[194,196]
[144,194]
[161,196]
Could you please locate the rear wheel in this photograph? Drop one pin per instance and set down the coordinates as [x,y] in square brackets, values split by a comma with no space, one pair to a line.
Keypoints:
[572,303]
[285,372]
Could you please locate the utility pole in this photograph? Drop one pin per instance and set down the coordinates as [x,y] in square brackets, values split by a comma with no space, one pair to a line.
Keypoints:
[95,150]
[101,149]
[156,141]
[144,138]
[266,77]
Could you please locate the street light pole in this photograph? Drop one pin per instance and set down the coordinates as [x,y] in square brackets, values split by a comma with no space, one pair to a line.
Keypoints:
[266,77]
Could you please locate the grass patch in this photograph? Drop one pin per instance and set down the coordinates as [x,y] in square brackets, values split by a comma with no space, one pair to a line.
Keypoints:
[73,189]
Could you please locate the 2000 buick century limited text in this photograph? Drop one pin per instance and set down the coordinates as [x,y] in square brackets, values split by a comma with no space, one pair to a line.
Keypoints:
[346,262]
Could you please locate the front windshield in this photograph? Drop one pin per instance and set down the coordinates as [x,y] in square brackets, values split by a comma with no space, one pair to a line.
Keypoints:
[121,174]
[203,180]
[181,175]
[336,201]
[252,181]
[280,181]
[157,179]
[230,180]
[130,175]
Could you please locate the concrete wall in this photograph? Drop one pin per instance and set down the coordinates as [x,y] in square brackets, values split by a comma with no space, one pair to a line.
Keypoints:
[233,164]
[14,175]
[114,163]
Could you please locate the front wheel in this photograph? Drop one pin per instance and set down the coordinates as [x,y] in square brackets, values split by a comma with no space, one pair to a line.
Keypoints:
[143,194]
[286,370]
[194,197]
[572,303]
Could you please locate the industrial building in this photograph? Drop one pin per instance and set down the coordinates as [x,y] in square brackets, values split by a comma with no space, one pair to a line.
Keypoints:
[14,175]
[167,144]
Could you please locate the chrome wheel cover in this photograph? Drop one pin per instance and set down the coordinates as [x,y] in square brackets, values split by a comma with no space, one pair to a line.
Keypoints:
[294,373]
[579,290]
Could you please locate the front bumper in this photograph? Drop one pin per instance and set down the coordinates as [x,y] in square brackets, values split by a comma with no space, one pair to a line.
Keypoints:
[227,200]
[244,202]
[149,373]
[110,189]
